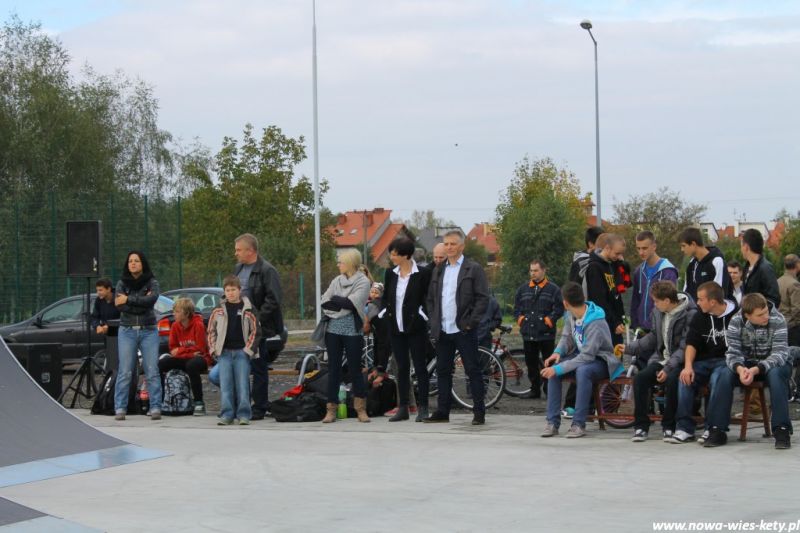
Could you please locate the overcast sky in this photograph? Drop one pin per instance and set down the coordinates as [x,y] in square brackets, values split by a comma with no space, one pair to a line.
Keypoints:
[429,104]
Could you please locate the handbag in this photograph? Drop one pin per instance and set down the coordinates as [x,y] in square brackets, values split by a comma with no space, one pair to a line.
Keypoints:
[319,332]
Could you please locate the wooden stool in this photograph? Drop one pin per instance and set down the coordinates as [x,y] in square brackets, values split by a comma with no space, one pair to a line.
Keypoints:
[765,417]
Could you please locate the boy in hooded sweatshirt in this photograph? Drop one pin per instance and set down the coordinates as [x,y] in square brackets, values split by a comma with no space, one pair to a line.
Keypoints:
[757,351]
[600,282]
[704,358]
[652,269]
[707,264]
[233,336]
[188,350]
[585,351]
[662,350]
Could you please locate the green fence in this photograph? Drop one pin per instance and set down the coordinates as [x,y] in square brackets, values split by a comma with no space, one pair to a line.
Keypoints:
[33,250]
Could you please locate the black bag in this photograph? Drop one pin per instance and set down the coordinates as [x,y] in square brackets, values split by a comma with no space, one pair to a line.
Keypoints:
[104,401]
[318,382]
[177,400]
[306,407]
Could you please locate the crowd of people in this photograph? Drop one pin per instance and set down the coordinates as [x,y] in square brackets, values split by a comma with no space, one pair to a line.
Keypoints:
[727,326]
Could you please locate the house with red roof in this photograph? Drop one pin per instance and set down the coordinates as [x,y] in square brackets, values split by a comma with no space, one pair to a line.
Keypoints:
[485,234]
[373,227]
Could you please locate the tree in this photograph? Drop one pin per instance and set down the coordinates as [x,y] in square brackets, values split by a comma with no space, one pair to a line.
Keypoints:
[476,251]
[664,213]
[539,217]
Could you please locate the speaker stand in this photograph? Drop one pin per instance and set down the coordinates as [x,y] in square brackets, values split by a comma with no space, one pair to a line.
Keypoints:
[84,383]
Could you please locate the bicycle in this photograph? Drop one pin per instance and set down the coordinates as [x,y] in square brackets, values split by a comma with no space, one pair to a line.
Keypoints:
[514,366]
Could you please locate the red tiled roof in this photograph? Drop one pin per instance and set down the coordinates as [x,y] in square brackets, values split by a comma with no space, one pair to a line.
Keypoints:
[484,235]
[379,248]
[591,221]
[349,229]
[776,235]
[727,231]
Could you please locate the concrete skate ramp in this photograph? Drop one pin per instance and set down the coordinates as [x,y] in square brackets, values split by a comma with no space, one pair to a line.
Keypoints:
[17,518]
[39,439]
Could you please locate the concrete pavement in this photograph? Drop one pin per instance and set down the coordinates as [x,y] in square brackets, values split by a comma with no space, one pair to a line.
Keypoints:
[415,477]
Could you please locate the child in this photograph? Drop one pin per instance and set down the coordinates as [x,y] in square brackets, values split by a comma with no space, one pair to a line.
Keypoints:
[233,336]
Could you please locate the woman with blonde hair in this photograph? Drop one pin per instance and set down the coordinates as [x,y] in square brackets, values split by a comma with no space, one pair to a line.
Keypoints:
[343,305]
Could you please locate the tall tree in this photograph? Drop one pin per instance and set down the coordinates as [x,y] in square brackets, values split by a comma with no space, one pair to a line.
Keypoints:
[539,217]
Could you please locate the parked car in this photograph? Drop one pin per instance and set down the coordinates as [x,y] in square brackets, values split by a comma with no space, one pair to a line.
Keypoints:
[63,322]
[207,298]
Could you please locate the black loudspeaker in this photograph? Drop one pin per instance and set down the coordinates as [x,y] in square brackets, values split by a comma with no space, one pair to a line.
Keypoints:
[43,364]
[83,249]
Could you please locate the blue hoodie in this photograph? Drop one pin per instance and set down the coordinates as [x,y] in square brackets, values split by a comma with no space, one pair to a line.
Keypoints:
[586,341]
[642,302]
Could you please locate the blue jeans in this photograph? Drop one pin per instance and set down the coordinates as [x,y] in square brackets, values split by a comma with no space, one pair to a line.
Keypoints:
[585,376]
[466,342]
[234,378]
[213,375]
[705,372]
[146,340]
[777,379]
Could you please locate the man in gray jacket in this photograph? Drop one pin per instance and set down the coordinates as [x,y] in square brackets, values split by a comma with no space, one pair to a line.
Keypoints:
[662,351]
[457,299]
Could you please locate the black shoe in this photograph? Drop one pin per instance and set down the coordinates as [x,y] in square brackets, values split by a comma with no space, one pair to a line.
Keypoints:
[783,439]
[716,437]
[401,414]
[257,415]
[479,418]
[437,417]
[534,394]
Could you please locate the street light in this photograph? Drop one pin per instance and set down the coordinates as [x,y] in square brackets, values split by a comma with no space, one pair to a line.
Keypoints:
[587,25]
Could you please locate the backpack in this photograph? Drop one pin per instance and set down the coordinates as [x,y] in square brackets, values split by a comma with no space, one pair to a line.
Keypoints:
[177,400]
[104,401]
[317,381]
[306,407]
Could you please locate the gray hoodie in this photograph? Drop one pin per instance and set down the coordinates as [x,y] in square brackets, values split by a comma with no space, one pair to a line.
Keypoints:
[586,340]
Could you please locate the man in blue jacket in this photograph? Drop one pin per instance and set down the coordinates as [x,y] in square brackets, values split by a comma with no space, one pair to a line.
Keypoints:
[537,307]
[653,268]
[585,351]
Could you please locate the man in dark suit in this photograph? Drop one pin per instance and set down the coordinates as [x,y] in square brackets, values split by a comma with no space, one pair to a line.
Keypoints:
[457,299]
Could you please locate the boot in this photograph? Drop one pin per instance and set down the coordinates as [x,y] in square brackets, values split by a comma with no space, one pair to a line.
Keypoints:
[401,414]
[330,414]
[360,405]
[422,413]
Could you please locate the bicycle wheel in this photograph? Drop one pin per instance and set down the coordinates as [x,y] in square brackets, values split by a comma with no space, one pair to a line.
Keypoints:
[613,403]
[515,369]
[494,379]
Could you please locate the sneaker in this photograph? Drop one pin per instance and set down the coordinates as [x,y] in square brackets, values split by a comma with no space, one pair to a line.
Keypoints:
[199,409]
[412,409]
[575,432]
[639,435]
[120,415]
[667,435]
[568,412]
[682,437]
[244,422]
[783,439]
[703,437]
[716,437]
[155,415]
[549,431]
[393,412]
[224,422]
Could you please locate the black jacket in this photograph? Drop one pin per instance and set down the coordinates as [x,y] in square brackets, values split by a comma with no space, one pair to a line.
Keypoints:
[472,297]
[103,311]
[415,297]
[138,311]
[600,287]
[265,295]
[699,272]
[761,279]
[709,333]
[532,304]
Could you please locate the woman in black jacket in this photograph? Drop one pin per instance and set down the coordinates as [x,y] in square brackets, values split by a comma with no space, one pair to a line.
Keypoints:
[405,291]
[136,296]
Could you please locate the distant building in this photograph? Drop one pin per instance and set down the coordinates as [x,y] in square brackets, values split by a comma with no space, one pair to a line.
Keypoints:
[485,235]
[771,231]
[374,227]
[430,237]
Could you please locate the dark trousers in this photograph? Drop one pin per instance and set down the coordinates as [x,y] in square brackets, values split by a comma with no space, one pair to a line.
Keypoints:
[643,384]
[193,368]
[535,353]
[415,344]
[260,369]
[794,336]
[351,346]
[466,342]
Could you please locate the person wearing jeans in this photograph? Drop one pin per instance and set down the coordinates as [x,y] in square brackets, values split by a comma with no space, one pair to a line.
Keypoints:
[234,377]
[585,352]
[135,297]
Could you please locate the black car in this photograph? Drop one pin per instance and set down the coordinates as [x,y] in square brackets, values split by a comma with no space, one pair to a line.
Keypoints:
[63,323]
[207,298]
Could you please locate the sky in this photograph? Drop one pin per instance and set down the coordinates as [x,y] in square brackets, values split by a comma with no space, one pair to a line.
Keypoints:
[429,104]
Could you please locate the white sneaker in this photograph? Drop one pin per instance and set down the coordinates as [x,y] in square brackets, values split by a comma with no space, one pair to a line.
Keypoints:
[575,432]
[639,435]
[668,434]
[703,437]
[682,437]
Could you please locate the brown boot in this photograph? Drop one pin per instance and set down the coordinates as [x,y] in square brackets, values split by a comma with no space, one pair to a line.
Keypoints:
[330,415]
[360,405]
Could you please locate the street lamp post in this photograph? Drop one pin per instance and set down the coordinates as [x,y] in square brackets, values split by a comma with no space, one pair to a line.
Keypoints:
[587,25]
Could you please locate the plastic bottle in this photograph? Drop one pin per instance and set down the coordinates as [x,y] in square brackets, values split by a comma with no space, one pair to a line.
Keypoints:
[144,398]
[341,411]
[627,389]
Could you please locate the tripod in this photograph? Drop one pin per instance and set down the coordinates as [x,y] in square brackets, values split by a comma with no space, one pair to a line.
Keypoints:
[83,383]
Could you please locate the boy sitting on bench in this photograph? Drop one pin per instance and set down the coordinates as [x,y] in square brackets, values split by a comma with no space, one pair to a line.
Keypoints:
[584,351]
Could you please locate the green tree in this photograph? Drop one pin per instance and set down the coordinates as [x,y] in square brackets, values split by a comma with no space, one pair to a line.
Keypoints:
[476,251]
[664,213]
[539,216]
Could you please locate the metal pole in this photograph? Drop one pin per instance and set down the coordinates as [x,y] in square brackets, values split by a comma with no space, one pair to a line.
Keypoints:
[597,133]
[180,247]
[317,253]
